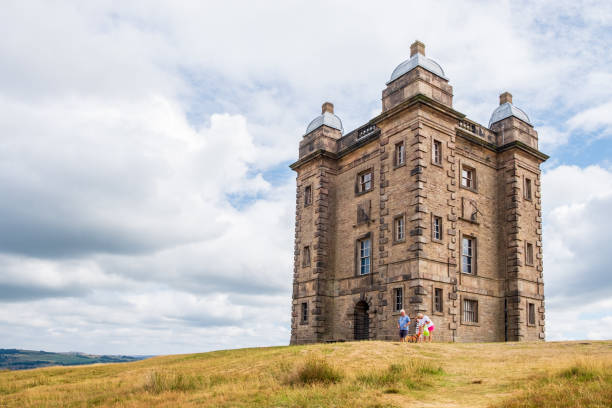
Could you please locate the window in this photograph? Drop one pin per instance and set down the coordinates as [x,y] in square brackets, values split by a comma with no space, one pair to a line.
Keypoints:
[529,253]
[470,311]
[398,297]
[364,182]
[468,178]
[364,248]
[436,153]
[468,252]
[437,228]
[307,196]
[527,189]
[306,256]
[304,313]
[438,305]
[400,231]
[363,211]
[399,154]
[531,314]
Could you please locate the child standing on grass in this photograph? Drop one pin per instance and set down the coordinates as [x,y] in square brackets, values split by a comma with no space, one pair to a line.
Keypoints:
[418,330]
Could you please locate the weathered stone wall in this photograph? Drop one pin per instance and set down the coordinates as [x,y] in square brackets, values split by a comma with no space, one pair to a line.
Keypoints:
[494,213]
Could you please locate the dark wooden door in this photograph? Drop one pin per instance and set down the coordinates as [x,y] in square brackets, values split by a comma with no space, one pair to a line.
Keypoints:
[362,321]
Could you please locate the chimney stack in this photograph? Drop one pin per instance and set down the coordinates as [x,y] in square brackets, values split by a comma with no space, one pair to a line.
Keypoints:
[505,97]
[327,107]
[417,47]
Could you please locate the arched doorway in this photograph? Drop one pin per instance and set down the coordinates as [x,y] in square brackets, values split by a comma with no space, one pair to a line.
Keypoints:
[362,321]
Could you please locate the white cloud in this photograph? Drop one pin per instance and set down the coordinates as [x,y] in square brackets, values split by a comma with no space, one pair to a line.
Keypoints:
[580,321]
[549,138]
[596,119]
[577,233]
[144,148]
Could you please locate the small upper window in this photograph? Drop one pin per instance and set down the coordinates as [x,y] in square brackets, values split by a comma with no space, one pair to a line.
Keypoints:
[306,256]
[531,314]
[468,252]
[437,228]
[527,189]
[398,303]
[399,228]
[364,182]
[400,156]
[364,247]
[436,154]
[470,311]
[529,253]
[304,313]
[307,195]
[438,306]
[468,179]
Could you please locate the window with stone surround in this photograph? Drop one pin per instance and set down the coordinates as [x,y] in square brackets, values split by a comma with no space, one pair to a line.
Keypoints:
[304,313]
[306,256]
[531,320]
[529,253]
[436,228]
[365,182]
[364,255]
[527,189]
[400,154]
[399,228]
[468,255]
[438,300]
[398,299]
[436,153]
[468,177]
[470,311]
[307,196]
[363,211]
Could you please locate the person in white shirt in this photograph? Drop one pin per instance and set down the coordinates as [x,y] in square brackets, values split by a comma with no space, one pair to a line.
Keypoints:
[424,321]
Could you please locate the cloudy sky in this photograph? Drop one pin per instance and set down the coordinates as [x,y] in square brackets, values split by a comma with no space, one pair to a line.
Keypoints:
[146,204]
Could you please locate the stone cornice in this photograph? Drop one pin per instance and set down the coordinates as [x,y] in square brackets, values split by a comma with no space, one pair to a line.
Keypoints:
[476,140]
[313,155]
[419,98]
[522,146]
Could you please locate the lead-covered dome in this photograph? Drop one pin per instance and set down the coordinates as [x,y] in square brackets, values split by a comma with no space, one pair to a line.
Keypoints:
[417,58]
[326,118]
[507,109]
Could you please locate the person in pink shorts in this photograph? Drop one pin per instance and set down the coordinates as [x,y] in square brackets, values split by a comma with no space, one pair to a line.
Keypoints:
[424,321]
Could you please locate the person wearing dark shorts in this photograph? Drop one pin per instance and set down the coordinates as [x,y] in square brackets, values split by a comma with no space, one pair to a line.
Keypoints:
[403,324]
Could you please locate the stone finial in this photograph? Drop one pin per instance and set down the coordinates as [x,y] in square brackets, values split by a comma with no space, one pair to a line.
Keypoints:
[327,107]
[417,47]
[505,97]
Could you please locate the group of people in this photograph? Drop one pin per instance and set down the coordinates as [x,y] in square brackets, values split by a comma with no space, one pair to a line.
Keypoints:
[424,327]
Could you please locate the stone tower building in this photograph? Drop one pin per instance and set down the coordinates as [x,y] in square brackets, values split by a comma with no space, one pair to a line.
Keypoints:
[423,209]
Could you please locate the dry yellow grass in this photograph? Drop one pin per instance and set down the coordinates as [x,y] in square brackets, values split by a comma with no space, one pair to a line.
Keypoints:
[365,374]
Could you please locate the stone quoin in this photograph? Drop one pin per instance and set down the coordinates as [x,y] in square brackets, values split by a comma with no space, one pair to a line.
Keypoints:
[423,209]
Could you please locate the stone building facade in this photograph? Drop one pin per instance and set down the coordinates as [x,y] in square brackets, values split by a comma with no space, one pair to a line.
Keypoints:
[423,209]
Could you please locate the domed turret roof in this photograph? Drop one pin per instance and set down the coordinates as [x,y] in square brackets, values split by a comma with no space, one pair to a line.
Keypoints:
[507,109]
[417,58]
[326,118]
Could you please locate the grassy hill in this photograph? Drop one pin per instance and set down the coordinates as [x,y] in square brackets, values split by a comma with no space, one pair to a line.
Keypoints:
[14,359]
[364,374]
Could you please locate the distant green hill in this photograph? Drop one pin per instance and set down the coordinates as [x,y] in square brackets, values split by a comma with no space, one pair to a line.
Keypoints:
[14,359]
